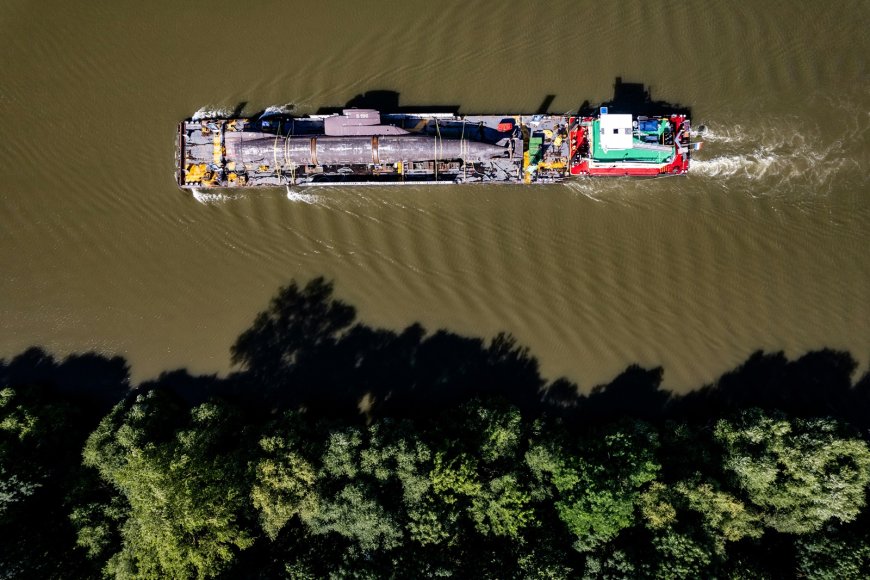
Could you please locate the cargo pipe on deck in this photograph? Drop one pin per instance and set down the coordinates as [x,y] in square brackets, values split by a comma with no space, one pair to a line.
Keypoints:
[257,148]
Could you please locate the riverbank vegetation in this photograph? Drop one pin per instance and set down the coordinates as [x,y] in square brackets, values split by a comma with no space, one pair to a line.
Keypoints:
[343,450]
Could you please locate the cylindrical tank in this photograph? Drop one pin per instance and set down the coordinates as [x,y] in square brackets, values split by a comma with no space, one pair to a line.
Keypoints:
[343,150]
[351,150]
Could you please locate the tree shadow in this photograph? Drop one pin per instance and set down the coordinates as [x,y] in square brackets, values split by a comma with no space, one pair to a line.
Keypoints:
[634,98]
[818,383]
[308,351]
[637,392]
[91,380]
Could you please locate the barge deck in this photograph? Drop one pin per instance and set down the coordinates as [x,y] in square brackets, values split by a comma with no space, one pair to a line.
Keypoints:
[364,146]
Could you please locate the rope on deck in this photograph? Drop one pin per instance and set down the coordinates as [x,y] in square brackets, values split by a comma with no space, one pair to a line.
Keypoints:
[463,151]
[287,154]
[437,138]
[275,156]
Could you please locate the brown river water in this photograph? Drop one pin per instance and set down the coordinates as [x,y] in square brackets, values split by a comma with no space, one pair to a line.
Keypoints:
[763,246]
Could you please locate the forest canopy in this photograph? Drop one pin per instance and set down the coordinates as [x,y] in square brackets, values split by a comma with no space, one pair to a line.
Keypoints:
[342,450]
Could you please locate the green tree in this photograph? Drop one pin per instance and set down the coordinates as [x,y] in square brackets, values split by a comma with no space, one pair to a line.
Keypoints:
[502,508]
[801,474]
[499,429]
[597,487]
[355,513]
[22,429]
[285,477]
[681,555]
[187,496]
[498,506]
[41,435]
[285,485]
[692,523]
[98,524]
[474,475]
[657,506]
[543,559]
[602,564]
[349,502]
[834,553]
[724,516]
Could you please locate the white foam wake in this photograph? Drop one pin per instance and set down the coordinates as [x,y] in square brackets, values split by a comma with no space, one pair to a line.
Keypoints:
[280,109]
[211,113]
[752,167]
[298,196]
[730,134]
[782,154]
[211,198]
[596,189]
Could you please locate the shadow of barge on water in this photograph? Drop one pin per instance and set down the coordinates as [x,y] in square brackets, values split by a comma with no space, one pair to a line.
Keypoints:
[634,98]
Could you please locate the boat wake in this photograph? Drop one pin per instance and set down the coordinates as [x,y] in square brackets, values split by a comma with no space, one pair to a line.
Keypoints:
[732,134]
[280,109]
[213,198]
[781,158]
[211,113]
[298,196]
[756,166]
[596,189]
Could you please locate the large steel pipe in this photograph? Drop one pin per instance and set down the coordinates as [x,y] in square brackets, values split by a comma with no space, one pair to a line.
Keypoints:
[323,150]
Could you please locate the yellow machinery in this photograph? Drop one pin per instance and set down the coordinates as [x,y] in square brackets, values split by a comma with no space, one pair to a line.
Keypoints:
[195,173]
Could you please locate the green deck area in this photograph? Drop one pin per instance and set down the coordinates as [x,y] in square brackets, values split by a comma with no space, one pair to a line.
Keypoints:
[634,154]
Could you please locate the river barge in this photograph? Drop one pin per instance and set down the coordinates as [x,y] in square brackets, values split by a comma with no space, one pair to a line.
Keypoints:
[366,146]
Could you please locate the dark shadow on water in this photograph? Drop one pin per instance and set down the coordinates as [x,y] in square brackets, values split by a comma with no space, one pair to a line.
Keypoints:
[634,98]
[91,380]
[339,366]
[544,107]
[817,384]
[637,392]
[239,109]
[307,350]
[386,101]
